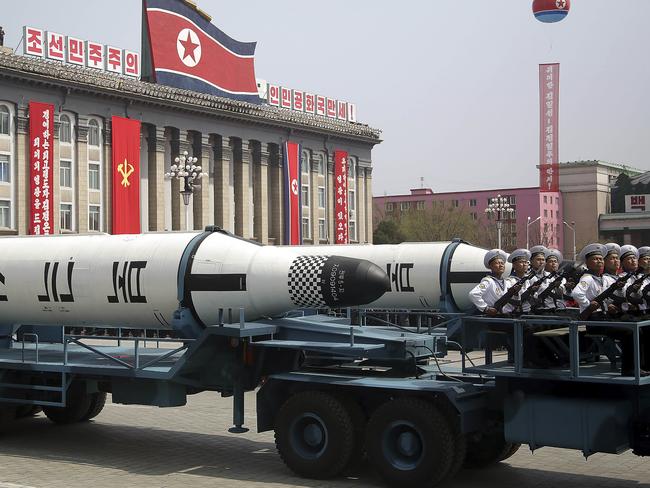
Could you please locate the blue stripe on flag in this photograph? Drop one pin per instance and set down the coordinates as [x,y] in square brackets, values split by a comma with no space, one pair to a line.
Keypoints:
[194,84]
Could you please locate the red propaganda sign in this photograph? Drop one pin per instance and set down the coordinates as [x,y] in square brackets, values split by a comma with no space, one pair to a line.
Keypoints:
[341,194]
[549,99]
[126,176]
[292,207]
[41,151]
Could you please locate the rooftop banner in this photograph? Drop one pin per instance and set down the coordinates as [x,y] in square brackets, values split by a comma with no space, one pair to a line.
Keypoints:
[184,50]
[549,101]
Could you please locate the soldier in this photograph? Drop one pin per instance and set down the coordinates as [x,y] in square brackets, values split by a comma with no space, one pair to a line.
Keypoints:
[553,300]
[493,286]
[537,264]
[592,283]
[520,259]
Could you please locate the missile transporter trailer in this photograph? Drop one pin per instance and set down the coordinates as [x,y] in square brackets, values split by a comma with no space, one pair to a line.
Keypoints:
[332,392]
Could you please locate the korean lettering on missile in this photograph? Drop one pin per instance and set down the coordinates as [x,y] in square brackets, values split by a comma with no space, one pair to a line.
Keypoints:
[400,276]
[50,282]
[3,298]
[123,281]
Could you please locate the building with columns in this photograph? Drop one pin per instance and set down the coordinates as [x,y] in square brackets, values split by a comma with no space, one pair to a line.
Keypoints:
[238,144]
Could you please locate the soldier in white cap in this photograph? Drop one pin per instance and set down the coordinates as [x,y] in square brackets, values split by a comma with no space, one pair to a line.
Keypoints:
[592,283]
[520,259]
[554,299]
[493,286]
[537,264]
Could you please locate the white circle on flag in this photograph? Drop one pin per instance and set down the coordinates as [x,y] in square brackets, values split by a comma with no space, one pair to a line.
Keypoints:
[294,186]
[188,47]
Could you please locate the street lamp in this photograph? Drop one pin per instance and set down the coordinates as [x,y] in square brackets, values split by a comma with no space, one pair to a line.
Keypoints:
[185,168]
[572,226]
[528,225]
[501,209]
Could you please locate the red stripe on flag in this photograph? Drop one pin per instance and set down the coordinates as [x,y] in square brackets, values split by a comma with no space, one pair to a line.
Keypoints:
[126,176]
[207,59]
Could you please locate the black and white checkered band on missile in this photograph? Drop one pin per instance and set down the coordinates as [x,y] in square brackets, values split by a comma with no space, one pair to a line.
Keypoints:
[305,274]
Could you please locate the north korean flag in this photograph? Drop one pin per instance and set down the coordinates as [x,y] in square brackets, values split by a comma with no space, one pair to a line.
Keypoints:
[187,51]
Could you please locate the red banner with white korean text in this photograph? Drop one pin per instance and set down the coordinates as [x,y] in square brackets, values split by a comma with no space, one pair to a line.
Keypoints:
[126,176]
[292,206]
[41,173]
[549,100]
[341,197]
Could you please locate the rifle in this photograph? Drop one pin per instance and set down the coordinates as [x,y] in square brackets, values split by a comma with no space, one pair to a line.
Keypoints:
[604,295]
[512,291]
[566,272]
[634,288]
[533,288]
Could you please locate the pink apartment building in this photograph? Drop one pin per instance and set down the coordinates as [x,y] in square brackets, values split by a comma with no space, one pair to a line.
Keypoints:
[540,213]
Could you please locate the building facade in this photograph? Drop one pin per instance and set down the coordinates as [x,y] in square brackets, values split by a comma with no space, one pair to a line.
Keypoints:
[238,144]
[536,216]
[629,220]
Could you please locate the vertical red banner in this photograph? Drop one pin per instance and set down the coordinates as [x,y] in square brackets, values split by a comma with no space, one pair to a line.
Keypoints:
[126,176]
[41,172]
[292,205]
[549,101]
[341,197]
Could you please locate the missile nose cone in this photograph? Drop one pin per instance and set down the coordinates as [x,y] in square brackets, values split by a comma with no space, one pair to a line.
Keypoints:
[335,281]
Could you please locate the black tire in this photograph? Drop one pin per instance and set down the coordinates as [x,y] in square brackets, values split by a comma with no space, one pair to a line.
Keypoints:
[97,403]
[511,452]
[487,449]
[410,442]
[314,435]
[78,405]
[460,452]
[359,422]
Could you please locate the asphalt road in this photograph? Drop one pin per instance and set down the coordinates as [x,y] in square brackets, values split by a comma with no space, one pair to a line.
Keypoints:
[128,446]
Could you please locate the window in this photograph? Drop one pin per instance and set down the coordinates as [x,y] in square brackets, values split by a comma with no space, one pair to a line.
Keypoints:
[512,200]
[545,213]
[65,129]
[93,133]
[472,202]
[474,216]
[557,201]
[65,174]
[5,169]
[322,229]
[389,207]
[5,120]
[551,213]
[404,206]
[93,218]
[320,164]
[455,203]
[5,213]
[352,203]
[513,228]
[306,230]
[419,204]
[545,199]
[93,176]
[321,197]
[352,227]
[66,216]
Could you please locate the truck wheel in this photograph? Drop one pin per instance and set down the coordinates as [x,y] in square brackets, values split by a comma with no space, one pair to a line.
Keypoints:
[78,405]
[489,448]
[97,402]
[410,442]
[460,452]
[359,422]
[314,434]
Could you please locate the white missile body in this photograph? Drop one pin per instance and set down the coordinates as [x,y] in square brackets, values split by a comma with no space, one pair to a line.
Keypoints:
[141,281]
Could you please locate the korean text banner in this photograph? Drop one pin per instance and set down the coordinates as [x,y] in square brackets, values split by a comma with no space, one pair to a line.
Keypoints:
[292,206]
[126,176]
[549,100]
[187,51]
[341,197]
[41,143]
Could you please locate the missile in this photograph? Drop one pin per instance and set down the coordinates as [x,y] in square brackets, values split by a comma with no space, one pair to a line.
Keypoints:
[430,275]
[171,280]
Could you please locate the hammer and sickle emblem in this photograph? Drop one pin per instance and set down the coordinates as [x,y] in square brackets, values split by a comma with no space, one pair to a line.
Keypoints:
[125,169]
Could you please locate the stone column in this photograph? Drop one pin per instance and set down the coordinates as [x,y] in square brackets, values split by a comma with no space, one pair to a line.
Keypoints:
[107,197]
[361,203]
[241,158]
[313,207]
[331,198]
[222,199]
[22,199]
[276,189]
[368,191]
[260,192]
[81,209]
[202,194]
[157,168]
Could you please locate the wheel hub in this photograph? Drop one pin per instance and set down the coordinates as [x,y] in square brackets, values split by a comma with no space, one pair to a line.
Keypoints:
[402,445]
[308,435]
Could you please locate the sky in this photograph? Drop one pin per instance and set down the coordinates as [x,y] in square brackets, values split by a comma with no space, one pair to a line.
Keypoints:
[453,85]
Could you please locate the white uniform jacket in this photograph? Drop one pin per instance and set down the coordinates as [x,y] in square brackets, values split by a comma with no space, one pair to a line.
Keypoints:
[589,287]
[646,282]
[488,291]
